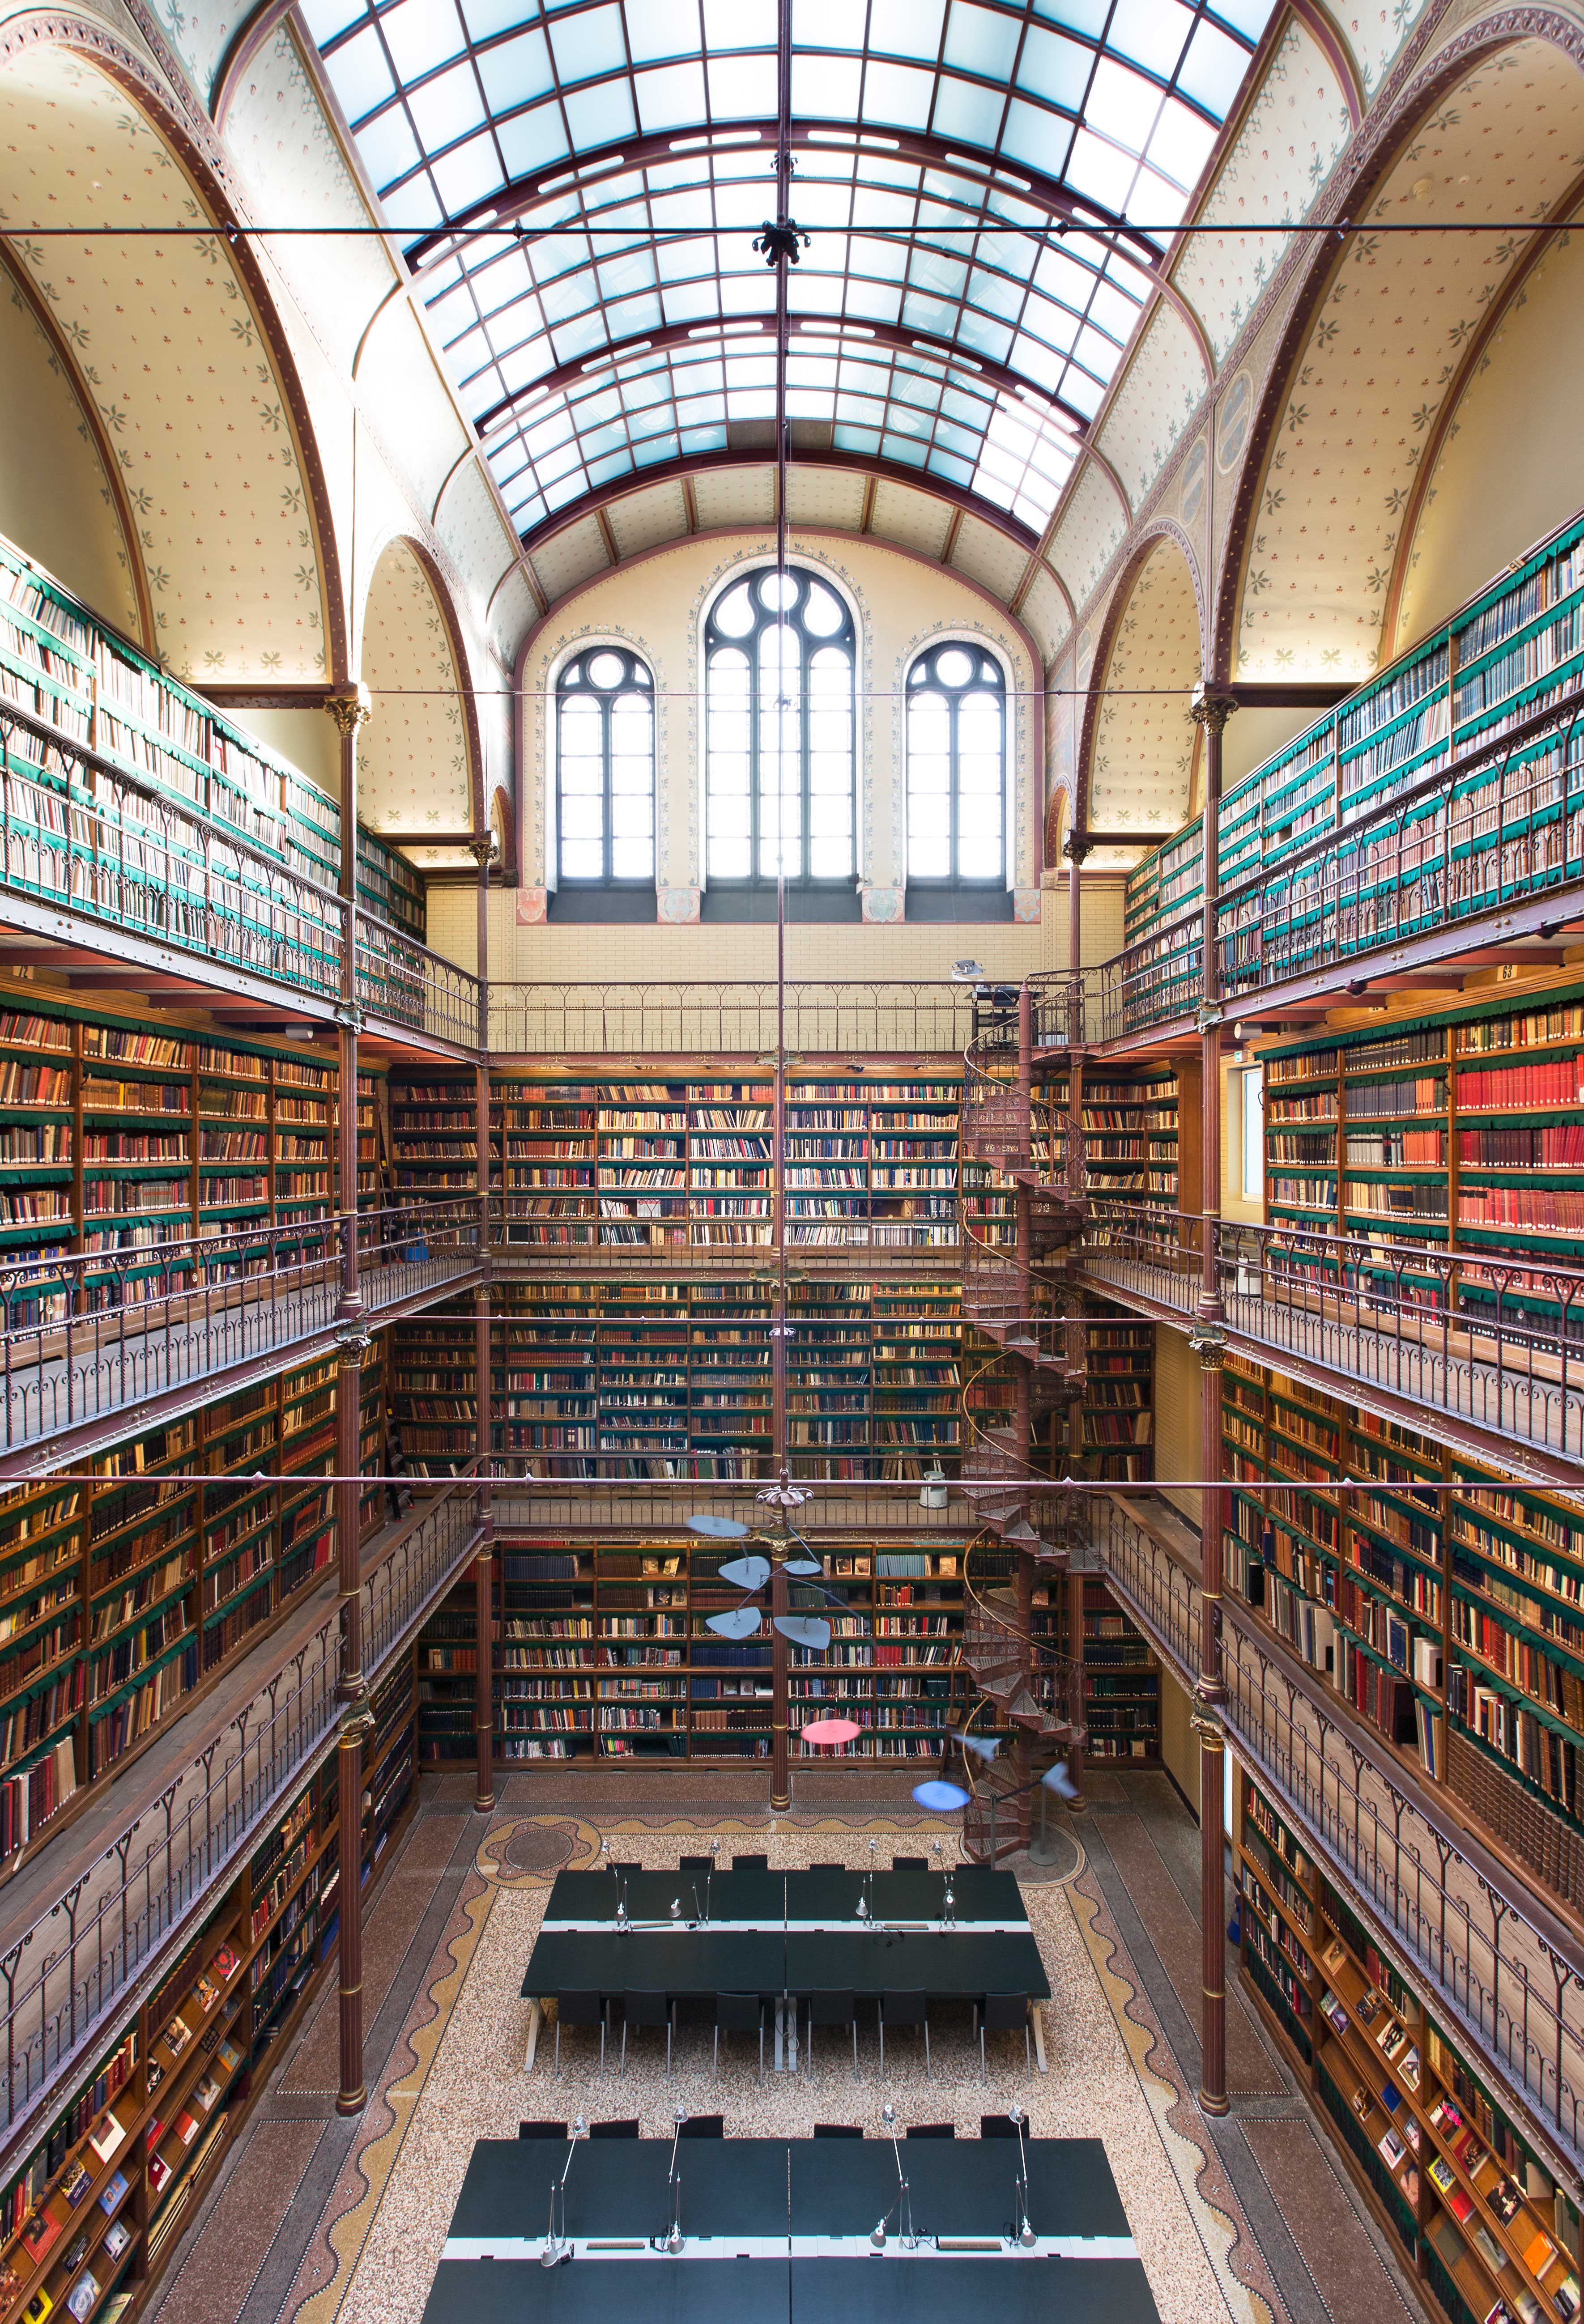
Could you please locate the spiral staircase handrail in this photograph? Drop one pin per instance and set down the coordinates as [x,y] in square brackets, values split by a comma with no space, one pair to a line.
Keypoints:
[1072,1666]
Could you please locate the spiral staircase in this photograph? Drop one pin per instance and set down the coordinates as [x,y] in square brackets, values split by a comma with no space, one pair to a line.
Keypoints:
[1018,1292]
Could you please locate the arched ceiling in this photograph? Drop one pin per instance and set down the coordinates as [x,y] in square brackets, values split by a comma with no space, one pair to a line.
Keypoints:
[1141,763]
[580,186]
[413,769]
[170,353]
[1385,349]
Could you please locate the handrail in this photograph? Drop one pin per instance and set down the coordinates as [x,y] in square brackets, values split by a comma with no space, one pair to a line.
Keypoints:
[1506,1976]
[1492,1337]
[82,1964]
[842,1017]
[86,1335]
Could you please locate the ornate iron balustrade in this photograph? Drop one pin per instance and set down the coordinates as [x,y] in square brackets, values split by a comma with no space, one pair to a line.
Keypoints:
[83,1965]
[401,982]
[1506,1978]
[90,1335]
[1490,1338]
[845,1019]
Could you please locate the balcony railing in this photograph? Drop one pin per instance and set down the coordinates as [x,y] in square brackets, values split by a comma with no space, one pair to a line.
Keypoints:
[738,1018]
[67,1979]
[81,835]
[1495,1966]
[1494,1339]
[90,1335]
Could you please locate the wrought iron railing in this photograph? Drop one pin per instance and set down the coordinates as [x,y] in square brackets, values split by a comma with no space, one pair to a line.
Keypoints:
[1506,1978]
[82,835]
[856,1019]
[70,1975]
[1489,1337]
[89,1335]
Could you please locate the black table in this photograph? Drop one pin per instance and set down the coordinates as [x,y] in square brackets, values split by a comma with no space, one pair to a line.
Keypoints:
[775,1934]
[779,2231]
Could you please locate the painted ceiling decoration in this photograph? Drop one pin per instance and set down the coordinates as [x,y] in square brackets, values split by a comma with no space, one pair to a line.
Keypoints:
[412,773]
[953,315]
[1384,351]
[1141,767]
[169,354]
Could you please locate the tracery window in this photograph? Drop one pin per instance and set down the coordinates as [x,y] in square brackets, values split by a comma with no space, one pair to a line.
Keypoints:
[605,767]
[957,766]
[780,659]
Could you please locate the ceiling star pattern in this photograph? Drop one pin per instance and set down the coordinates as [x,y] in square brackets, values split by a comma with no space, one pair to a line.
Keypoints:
[412,752]
[1385,349]
[166,348]
[1141,772]
[936,322]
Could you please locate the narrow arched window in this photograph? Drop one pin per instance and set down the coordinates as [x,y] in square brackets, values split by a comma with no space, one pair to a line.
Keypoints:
[780,654]
[957,766]
[605,768]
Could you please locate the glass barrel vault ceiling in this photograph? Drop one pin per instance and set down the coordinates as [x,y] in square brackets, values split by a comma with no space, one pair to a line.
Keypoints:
[937,322]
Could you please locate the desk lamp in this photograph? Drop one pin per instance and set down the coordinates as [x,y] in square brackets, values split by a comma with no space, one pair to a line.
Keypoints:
[675,2241]
[910,2242]
[1025,2234]
[557,2247]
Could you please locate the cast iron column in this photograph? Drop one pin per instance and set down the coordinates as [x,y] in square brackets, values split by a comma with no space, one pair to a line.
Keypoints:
[1211,712]
[349,709]
[483,1375]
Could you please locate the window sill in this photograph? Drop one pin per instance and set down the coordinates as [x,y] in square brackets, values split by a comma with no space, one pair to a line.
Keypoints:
[949,902]
[601,905]
[728,903]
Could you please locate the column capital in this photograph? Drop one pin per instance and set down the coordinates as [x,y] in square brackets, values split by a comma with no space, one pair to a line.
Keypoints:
[1211,1734]
[353,1343]
[1075,846]
[1209,1341]
[349,707]
[357,1723]
[1210,1017]
[1211,710]
[486,851]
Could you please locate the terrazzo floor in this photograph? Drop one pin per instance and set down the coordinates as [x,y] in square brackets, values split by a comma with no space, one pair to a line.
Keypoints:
[318,2220]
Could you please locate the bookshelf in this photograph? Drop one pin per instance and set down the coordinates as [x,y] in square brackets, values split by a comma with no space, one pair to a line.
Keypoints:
[1512,652]
[116,1137]
[1130,1143]
[65,667]
[1458,2184]
[657,1164]
[1116,1412]
[1461,1130]
[658,1378]
[89,2220]
[1446,1618]
[602,1651]
[120,1599]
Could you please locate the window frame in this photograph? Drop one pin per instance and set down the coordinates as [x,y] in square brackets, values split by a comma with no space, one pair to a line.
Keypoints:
[606,696]
[712,642]
[927,657]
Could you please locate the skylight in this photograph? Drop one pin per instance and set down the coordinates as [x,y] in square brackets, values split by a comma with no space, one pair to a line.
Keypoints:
[939,323]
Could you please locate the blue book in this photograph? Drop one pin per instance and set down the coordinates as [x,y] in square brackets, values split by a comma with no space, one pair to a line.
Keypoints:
[114,2193]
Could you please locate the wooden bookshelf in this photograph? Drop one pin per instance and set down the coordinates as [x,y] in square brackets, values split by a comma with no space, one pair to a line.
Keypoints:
[1130,1132]
[663,1379]
[656,1165]
[1449,1623]
[1509,654]
[602,1651]
[92,2217]
[120,1600]
[118,1138]
[1470,2207]
[64,665]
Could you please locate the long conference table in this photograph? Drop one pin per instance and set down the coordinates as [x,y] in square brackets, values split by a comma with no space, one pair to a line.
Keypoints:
[778,2232]
[783,1934]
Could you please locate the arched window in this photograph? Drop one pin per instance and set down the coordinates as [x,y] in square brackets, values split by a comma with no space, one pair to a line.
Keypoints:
[605,765]
[779,660]
[956,766]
